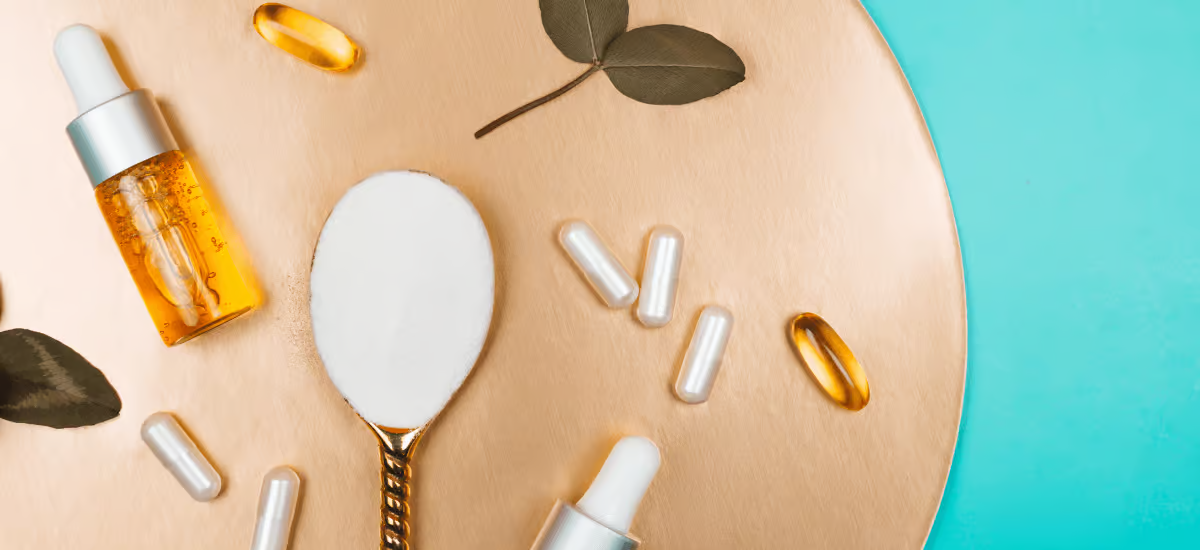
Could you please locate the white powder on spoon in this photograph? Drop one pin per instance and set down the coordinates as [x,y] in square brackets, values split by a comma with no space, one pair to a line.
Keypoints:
[402,290]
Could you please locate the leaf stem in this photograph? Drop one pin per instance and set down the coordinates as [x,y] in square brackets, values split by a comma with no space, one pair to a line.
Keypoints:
[536,103]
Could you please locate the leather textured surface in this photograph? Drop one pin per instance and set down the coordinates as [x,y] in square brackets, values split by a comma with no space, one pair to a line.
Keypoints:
[811,186]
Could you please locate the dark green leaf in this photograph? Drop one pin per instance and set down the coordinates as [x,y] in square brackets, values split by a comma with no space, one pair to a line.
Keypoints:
[581,29]
[42,381]
[671,65]
[660,64]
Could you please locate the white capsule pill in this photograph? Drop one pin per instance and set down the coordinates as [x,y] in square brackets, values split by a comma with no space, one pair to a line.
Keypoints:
[163,434]
[704,354]
[276,508]
[601,269]
[660,276]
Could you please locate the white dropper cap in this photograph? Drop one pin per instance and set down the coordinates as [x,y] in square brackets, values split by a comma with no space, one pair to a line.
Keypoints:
[601,519]
[617,491]
[89,70]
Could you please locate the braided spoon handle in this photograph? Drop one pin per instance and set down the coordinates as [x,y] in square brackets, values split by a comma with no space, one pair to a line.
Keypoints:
[395,454]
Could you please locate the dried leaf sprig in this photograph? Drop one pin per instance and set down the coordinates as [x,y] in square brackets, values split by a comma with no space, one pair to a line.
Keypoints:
[659,64]
[44,382]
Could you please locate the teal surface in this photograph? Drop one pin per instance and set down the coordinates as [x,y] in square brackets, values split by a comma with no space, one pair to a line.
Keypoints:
[1069,134]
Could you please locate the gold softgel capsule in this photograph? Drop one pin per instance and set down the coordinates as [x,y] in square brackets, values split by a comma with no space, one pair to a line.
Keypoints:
[312,40]
[830,361]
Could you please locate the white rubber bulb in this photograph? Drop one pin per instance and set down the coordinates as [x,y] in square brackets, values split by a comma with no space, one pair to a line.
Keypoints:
[617,491]
[86,65]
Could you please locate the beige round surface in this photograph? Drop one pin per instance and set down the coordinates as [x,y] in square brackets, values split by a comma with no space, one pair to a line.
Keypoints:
[812,186]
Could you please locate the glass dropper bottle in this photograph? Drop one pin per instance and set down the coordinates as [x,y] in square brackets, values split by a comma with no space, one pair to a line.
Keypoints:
[163,226]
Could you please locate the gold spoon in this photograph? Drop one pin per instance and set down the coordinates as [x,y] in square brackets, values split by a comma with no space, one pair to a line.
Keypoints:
[402,289]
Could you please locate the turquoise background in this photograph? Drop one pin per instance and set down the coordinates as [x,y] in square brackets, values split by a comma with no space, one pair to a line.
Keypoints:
[1069,134]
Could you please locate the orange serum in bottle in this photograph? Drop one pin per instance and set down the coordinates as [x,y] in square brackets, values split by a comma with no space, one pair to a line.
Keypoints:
[150,198]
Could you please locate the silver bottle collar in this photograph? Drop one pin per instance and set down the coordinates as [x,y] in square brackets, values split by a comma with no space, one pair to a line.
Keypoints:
[120,133]
[569,529]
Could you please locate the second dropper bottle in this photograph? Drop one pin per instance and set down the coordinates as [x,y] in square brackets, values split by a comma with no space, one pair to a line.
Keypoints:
[601,519]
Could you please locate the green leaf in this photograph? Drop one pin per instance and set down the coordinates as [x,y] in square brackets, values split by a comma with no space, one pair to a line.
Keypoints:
[660,64]
[582,29]
[44,382]
[671,65]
